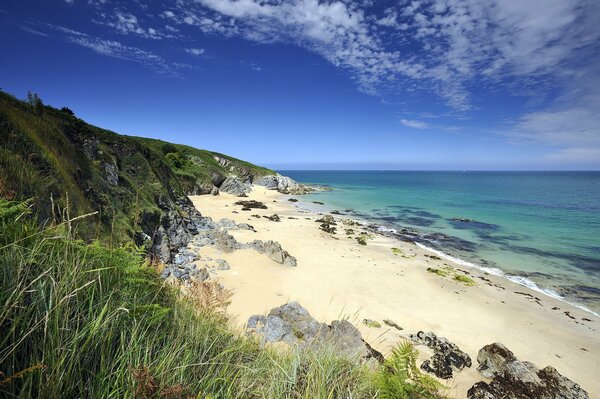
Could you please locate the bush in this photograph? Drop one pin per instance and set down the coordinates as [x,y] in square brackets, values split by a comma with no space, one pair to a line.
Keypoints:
[36,103]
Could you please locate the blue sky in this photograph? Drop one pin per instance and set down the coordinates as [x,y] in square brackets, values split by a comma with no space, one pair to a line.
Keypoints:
[300,84]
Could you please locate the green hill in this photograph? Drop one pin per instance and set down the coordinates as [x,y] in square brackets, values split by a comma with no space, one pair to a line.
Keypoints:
[136,185]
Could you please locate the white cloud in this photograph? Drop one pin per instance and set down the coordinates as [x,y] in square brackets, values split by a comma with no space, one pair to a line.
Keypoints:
[194,51]
[414,124]
[33,31]
[389,19]
[117,49]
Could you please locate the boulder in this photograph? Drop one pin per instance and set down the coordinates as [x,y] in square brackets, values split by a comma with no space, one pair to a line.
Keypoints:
[447,356]
[326,219]
[492,358]
[516,379]
[274,218]
[217,179]
[199,275]
[274,251]
[222,264]
[234,185]
[292,324]
[226,242]
[246,226]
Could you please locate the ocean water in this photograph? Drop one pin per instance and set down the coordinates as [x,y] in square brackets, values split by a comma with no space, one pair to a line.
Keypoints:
[540,229]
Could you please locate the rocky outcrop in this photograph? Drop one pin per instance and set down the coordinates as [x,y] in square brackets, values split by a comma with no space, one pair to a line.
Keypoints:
[172,230]
[234,185]
[216,234]
[516,379]
[292,324]
[111,175]
[492,358]
[283,184]
[251,204]
[274,251]
[447,356]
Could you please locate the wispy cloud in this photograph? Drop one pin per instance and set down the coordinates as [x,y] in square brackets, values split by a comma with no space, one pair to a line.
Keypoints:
[33,31]
[194,51]
[115,49]
[414,124]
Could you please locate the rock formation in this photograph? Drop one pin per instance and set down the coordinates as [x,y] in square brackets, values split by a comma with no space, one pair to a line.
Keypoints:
[447,356]
[283,184]
[292,324]
[516,379]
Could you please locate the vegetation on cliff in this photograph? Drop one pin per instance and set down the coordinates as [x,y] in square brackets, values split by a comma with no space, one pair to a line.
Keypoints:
[82,320]
[64,163]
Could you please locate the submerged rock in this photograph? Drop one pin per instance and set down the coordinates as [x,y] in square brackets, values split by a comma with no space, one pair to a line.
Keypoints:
[447,356]
[516,379]
[292,324]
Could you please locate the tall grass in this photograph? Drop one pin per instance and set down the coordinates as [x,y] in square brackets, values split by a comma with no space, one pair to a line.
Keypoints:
[83,321]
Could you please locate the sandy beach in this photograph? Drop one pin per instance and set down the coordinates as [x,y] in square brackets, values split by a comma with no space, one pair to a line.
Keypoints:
[337,278]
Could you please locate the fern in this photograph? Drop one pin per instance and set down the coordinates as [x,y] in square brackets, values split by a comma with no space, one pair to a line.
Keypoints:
[400,378]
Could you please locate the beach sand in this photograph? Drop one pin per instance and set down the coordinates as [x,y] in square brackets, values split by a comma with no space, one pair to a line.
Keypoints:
[338,278]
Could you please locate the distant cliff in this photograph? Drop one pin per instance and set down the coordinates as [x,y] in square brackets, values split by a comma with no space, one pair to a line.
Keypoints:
[137,186]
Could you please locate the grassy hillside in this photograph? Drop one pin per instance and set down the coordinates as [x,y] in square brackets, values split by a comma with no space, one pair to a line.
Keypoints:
[67,165]
[86,321]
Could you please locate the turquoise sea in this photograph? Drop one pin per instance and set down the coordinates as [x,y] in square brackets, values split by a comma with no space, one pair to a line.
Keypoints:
[540,229]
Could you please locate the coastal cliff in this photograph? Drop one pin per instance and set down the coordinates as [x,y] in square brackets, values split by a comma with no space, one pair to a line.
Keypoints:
[135,187]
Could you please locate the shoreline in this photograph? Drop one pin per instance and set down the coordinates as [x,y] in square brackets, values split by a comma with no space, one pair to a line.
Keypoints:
[336,277]
[523,281]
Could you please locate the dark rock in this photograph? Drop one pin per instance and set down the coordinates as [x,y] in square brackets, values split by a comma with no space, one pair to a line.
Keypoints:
[492,358]
[217,179]
[292,324]
[293,200]
[251,204]
[274,218]
[393,324]
[326,219]
[516,379]
[447,356]
[199,275]
[328,228]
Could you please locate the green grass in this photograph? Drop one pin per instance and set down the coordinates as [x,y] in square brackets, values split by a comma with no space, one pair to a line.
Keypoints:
[371,323]
[439,272]
[464,279]
[84,320]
